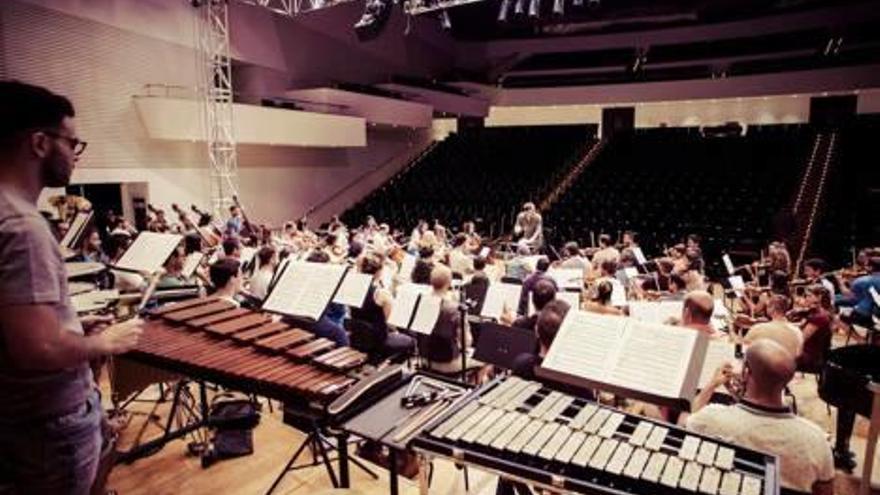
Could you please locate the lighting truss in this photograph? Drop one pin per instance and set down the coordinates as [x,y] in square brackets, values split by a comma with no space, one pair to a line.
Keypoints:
[418,7]
[215,91]
[292,8]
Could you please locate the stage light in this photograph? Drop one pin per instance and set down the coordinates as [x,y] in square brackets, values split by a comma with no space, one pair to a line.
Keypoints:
[502,12]
[445,21]
[371,23]
[519,8]
[559,7]
[534,8]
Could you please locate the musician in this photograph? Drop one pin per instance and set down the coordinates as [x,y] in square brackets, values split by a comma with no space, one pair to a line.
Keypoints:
[259,282]
[330,325]
[697,312]
[232,248]
[572,258]
[607,252]
[816,329]
[542,293]
[601,302]
[778,329]
[460,260]
[529,283]
[814,272]
[761,420]
[421,273]
[469,229]
[377,307]
[173,268]
[90,248]
[416,236]
[859,298]
[235,224]
[226,278]
[518,267]
[50,415]
[475,289]
[443,347]
[529,227]
[158,223]
[778,285]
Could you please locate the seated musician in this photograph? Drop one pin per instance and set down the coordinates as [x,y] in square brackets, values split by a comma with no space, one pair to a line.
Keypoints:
[607,252]
[601,302]
[547,323]
[761,420]
[330,325]
[90,248]
[518,268]
[443,348]
[859,298]
[377,307]
[816,329]
[460,261]
[415,236]
[475,289]
[778,329]
[778,286]
[814,273]
[226,278]
[173,267]
[421,273]
[232,248]
[542,293]
[572,258]
[529,284]
[697,312]
[676,288]
[259,282]
[235,224]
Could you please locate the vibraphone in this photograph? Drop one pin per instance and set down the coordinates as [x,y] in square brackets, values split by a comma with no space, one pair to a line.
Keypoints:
[525,431]
[215,341]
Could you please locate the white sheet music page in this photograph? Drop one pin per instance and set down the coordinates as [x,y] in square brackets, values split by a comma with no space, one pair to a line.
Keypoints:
[499,295]
[655,311]
[407,265]
[586,345]
[567,278]
[402,308]
[191,263]
[728,264]
[718,352]
[640,256]
[247,255]
[76,227]
[737,284]
[618,293]
[354,289]
[426,314]
[653,358]
[304,289]
[149,251]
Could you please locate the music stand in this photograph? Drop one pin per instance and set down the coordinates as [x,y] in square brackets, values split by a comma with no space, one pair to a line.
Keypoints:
[499,345]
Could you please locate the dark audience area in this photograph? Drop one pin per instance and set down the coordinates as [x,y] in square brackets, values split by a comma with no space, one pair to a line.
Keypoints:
[484,175]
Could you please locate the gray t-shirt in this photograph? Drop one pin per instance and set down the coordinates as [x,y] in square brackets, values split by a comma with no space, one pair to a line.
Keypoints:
[32,272]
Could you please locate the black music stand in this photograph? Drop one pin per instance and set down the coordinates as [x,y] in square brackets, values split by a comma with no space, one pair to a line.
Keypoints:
[499,345]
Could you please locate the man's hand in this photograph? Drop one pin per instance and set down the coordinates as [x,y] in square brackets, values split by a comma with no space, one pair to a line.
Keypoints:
[120,338]
[92,323]
[723,376]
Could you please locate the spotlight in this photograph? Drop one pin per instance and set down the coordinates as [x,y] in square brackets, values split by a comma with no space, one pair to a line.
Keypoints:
[519,8]
[502,12]
[559,7]
[445,21]
[371,23]
[534,8]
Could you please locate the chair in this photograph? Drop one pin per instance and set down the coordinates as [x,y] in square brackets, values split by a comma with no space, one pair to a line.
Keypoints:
[363,337]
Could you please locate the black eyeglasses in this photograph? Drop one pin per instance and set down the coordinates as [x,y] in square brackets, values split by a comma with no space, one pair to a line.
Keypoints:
[77,145]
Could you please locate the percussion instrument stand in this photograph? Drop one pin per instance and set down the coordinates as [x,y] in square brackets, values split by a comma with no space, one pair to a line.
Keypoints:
[317,444]
[181,405]
[871,443]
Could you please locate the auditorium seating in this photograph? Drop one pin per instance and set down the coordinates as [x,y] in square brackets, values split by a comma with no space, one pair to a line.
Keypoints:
[479,174]
[848,212]
[667,183]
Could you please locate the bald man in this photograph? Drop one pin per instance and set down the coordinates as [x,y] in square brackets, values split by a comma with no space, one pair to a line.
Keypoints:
[762,420]
[697,312]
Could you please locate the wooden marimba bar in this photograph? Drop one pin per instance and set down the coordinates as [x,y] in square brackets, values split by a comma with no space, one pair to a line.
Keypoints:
[526,431]
[215,341]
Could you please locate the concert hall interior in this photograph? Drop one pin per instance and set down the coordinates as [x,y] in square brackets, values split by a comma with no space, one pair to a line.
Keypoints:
[439,247]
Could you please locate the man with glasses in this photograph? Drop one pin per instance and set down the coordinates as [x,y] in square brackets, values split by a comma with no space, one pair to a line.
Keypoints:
[50,415]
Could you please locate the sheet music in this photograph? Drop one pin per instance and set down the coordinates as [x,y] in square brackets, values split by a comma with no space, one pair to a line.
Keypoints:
[247,255]
[532,261]
[640,256]
[73,234]
[499,295]
[567,278]
[484,252]
[621,351]
[737,284]
[304,289]
[191,263]
[354,289]
[728,264]
[718,352]
[631,272]
[655,311]
[402,308]
[406,266]
[618,293]
[148,252]
[653,358]
[427,314]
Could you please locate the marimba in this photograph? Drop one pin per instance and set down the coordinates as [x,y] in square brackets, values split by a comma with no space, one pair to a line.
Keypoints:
[525,431]
[215,341]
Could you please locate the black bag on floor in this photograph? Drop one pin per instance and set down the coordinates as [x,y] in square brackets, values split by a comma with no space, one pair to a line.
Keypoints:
[232,418]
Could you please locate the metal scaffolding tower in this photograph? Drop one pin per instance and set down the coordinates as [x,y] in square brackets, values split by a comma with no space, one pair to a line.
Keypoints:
[215,91]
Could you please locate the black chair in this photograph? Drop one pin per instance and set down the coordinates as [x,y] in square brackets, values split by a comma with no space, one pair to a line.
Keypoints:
[363,337]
